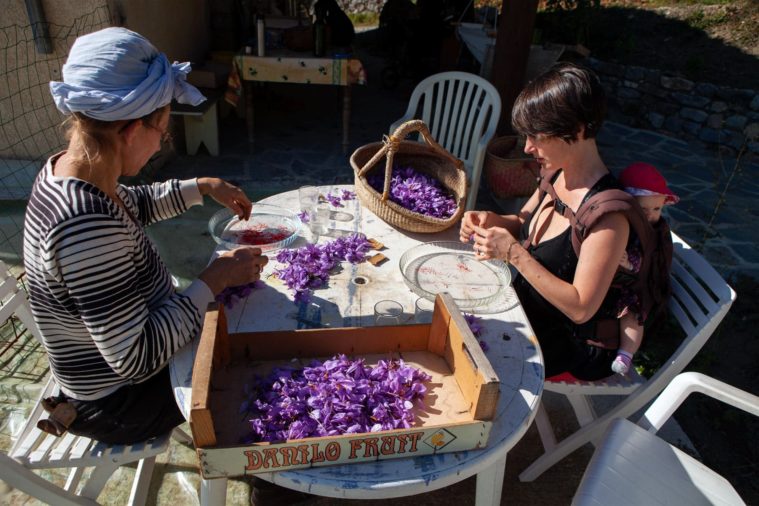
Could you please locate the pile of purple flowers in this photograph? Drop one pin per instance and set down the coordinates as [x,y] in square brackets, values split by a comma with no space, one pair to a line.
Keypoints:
[308,267]
[416,192]
[339,396]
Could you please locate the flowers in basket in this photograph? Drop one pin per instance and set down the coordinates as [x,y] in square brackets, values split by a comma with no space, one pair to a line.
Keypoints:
[416,192]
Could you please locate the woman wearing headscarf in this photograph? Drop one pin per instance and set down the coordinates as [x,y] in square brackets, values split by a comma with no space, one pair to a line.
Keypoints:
[108,314]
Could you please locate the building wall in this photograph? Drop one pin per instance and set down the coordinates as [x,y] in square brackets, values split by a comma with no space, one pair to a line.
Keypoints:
[28,118]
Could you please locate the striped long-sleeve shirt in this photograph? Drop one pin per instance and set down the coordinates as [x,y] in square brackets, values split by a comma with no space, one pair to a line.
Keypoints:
[100,294]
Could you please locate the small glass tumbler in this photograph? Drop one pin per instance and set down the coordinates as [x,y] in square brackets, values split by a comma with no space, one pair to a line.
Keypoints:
[319,220]
[387,312]
[317,215]
[423,310]
[308,196]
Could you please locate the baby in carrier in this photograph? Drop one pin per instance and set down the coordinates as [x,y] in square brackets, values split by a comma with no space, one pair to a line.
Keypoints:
[650,189]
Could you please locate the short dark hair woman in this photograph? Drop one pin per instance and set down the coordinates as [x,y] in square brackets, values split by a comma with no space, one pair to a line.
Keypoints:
[565,297]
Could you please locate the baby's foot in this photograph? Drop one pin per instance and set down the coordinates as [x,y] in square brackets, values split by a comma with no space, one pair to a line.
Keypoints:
[622,363]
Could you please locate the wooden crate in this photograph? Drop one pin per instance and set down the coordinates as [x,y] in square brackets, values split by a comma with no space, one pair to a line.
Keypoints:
[460,402]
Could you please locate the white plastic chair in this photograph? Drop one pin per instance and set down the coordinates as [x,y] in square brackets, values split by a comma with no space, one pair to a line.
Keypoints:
[633,466]
[35,449]
[462,112]
[699,302]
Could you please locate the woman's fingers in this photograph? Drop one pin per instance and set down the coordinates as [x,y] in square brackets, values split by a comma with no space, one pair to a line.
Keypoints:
[242,209]
[243,204]
[491,242]
[249,263]
[228,195]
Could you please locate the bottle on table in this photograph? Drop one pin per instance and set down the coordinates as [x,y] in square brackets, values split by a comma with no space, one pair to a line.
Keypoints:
[261,35]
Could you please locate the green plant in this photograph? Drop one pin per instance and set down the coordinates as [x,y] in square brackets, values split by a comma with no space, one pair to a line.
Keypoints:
[487,3]
[701,20]
[364,18]
[662,337]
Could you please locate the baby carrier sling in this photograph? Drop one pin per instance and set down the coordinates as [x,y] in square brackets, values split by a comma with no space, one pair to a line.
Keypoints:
[651,283]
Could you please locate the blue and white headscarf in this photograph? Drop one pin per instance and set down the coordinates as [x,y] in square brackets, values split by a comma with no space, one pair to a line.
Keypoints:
[116,74]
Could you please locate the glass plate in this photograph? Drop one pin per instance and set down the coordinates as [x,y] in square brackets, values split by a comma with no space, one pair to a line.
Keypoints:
[449,266]
[269,228]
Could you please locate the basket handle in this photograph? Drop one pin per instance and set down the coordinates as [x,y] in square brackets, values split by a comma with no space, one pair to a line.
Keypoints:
[390,147]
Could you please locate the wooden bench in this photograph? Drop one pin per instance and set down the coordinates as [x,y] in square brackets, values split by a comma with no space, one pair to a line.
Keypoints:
[200,123]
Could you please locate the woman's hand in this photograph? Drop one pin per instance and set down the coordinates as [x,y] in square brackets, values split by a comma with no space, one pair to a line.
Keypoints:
[474,219]
[493,242]
[227,195]
[234,268]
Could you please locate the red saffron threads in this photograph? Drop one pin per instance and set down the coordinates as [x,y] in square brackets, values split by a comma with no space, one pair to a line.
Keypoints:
[262,234]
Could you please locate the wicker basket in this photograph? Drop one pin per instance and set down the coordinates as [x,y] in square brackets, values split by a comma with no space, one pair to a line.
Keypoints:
[507,171]
[430,158]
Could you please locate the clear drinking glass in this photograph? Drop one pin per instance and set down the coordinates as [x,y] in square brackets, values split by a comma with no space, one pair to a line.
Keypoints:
[387,312]
[316,213]
[308,196]
[423,309]
[320,220]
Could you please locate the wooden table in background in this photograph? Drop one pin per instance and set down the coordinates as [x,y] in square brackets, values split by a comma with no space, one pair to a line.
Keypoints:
[298,68]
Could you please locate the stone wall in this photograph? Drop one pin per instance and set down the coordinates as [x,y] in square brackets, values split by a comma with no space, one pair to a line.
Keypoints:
[718,116]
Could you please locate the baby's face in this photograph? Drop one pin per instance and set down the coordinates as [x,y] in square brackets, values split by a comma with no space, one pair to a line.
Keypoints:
[652,206]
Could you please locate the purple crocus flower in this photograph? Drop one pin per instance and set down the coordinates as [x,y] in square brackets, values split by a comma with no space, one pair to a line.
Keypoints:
[338,396]
[416,192]
[475,325]
[231,295]
[309,267]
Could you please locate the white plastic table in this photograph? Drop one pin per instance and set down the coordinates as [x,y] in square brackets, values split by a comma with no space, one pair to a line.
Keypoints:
[349,301]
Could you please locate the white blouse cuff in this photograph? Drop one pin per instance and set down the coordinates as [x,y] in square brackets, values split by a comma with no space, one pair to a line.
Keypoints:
[191,192]
[200,295]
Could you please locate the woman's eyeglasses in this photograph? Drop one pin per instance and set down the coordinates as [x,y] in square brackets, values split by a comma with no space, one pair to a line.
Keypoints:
[166,136]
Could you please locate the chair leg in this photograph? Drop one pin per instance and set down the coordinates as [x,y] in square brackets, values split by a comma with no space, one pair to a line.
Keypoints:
[97,480]
[73,480]
[583,408]
[181,436]
[21,478]
[213,492]
[585,414]
[141,483]
[490,484]
[545,430]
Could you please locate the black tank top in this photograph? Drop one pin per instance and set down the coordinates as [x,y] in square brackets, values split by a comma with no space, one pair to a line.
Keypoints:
[552,328]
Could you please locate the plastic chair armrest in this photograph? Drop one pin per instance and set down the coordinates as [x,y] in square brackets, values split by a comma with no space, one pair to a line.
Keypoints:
[687,383]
